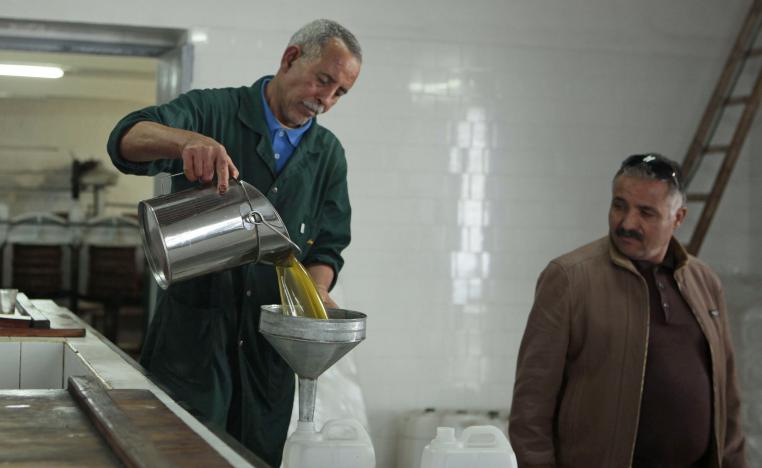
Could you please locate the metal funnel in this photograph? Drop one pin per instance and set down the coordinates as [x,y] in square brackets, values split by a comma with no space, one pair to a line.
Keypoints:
[310,346]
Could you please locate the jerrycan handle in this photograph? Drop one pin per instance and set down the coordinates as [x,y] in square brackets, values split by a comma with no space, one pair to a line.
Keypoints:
[484,437]
[343,429]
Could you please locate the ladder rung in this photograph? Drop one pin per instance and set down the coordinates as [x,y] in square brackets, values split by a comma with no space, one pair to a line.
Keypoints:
[725,94]
[698,197]
[736,100]
[716,149]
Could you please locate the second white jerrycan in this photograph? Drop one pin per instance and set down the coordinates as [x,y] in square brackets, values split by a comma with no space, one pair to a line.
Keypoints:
[478,446]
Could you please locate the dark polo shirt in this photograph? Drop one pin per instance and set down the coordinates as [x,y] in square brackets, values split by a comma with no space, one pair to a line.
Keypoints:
[676,408]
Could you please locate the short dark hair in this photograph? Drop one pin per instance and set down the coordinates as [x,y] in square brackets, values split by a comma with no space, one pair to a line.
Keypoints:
[314,35]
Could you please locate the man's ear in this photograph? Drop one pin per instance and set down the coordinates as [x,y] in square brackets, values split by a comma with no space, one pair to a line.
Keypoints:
[680,216]
[290,55]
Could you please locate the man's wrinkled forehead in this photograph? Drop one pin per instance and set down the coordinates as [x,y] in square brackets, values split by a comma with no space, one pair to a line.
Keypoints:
[645,192]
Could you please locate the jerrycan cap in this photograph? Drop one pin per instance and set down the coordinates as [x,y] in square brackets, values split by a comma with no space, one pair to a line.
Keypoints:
[445,438]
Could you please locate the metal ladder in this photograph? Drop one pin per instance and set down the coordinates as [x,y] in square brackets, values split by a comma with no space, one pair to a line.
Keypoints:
[724,96]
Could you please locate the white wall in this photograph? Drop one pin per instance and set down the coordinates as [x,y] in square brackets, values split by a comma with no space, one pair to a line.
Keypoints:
[40,137]
[481,137]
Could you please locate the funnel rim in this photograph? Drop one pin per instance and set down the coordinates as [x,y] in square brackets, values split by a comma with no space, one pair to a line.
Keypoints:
[355,316]
[329,331]
[305,340]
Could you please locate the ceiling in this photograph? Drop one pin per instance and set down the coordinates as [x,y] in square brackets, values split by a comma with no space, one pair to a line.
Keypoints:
[102,77]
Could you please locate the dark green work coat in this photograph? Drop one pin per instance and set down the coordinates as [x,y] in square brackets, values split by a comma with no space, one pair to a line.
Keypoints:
[203,342]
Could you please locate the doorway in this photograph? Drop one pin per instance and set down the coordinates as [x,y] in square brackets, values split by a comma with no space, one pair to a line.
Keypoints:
[58,191]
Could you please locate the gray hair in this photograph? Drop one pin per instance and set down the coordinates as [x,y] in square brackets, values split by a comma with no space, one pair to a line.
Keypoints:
[644,171]
[314,35]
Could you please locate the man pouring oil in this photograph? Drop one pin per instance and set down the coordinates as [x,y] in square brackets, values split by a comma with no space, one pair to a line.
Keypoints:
[203,342]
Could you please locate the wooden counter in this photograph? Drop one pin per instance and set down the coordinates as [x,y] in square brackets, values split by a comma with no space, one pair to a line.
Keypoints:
[43,423]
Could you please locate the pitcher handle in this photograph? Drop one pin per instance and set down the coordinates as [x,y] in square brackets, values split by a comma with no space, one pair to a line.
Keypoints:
[255,217]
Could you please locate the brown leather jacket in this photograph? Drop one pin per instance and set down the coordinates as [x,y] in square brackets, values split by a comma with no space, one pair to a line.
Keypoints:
[579,375]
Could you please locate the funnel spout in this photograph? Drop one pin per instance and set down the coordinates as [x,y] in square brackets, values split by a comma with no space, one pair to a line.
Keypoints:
[307,393]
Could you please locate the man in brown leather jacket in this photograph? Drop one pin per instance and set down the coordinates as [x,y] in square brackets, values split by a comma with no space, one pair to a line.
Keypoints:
[627,358]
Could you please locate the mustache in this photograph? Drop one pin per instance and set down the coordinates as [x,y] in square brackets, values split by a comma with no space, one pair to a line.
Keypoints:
[314,107]
[621,232]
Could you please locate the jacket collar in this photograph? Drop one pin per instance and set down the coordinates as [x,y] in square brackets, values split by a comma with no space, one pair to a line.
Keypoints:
[251,113]
[680,255]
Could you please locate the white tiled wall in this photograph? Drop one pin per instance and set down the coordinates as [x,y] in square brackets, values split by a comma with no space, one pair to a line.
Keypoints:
[481,138]
[10,365]
[31,364]
[41,364]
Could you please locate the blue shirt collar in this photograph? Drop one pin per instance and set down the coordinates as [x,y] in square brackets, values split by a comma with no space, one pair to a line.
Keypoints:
[294,134]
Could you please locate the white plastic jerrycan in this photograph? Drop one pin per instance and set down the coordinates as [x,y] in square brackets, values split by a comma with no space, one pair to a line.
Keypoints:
[342,443]
[478,446]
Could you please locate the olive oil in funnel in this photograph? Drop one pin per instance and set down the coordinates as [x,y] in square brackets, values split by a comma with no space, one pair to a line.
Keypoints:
[298,295]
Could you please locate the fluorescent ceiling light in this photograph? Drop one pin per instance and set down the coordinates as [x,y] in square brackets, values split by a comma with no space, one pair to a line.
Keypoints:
[30,71]
[199,37]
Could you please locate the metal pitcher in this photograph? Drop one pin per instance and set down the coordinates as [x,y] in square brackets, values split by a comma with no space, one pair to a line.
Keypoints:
[198,231]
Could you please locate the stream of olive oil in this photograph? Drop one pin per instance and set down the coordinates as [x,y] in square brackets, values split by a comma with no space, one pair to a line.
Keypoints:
[298,295]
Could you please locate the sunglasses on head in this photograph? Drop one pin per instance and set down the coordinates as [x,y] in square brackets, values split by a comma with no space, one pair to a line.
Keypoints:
[656,165]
